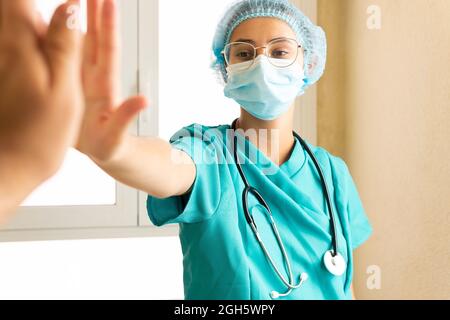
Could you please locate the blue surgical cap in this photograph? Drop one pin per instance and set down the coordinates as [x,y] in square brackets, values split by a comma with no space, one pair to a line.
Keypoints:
[311,37]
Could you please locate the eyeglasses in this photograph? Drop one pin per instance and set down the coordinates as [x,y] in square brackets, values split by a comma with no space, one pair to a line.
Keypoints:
[283,52]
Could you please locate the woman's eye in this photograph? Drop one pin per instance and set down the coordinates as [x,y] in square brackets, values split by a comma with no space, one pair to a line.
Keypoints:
[279,54]
[243,54]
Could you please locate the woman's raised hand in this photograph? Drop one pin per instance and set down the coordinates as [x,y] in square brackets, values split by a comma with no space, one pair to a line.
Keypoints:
[141,163]
[107,118]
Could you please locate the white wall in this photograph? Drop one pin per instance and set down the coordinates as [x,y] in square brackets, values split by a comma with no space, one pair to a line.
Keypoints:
[92,269]
[384,106]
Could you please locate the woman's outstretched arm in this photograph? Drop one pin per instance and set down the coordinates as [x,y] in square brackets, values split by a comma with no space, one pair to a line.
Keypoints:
[150,165]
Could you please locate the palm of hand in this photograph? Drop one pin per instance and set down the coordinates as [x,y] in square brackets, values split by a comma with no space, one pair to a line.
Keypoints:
[106,121]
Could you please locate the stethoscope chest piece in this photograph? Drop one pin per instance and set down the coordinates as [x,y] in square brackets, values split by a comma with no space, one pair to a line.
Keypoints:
[335,265]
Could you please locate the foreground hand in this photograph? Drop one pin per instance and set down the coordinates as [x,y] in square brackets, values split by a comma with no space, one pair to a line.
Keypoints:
[41,101]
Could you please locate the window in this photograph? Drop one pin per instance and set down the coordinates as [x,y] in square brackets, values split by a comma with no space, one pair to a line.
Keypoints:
[189,88]
[88,185]
[81,196]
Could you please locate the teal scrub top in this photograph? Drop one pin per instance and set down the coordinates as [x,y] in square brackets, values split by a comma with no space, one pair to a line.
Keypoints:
[222,258]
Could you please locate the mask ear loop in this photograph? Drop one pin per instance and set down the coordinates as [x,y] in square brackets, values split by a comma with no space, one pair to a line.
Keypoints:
[310,67]
[224,66]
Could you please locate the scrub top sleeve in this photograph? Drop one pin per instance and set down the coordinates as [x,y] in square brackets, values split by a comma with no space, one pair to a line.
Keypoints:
[203,199]
[360,227]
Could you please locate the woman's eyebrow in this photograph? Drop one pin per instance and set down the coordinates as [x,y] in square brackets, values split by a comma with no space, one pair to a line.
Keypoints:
[279,38]
[254,43]
[245,40]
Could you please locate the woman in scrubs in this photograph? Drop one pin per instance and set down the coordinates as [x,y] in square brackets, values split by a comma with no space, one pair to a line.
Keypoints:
[268,53]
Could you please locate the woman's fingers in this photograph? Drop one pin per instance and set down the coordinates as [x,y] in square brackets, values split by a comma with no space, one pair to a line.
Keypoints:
[101,42]
[93,27]
[93,7]
[108,46]
[100,66]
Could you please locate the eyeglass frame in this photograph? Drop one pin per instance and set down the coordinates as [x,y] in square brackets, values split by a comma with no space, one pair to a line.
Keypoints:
[265,51]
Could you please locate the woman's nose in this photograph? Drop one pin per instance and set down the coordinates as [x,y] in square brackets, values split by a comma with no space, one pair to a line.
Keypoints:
[260,51]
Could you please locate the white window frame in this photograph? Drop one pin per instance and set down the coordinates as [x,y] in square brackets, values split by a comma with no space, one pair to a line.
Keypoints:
[140,74]
[148,80]
[91,221]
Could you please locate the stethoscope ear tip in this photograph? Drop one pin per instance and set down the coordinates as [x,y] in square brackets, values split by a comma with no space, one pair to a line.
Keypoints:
[304,277]
[274,295]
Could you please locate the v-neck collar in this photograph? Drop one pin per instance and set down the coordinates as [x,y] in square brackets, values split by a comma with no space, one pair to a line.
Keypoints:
[291,167]
[296,160]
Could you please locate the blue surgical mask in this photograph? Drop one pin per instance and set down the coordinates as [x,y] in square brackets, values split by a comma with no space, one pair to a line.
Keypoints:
[264,91]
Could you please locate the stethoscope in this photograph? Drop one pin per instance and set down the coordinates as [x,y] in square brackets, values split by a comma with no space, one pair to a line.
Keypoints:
[332,259]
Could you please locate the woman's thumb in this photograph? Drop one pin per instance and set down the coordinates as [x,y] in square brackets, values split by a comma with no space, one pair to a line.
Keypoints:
[127,112]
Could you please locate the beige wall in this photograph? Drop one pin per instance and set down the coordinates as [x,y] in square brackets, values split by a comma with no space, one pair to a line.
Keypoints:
[384,105]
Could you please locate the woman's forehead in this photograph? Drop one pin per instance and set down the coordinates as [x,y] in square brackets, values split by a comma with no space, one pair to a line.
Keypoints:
[262,30]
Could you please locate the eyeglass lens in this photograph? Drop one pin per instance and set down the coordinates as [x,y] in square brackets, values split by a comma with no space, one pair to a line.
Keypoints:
[282,52]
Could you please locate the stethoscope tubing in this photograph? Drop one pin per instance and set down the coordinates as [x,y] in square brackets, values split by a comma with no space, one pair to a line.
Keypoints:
[248,189]
[326,191]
